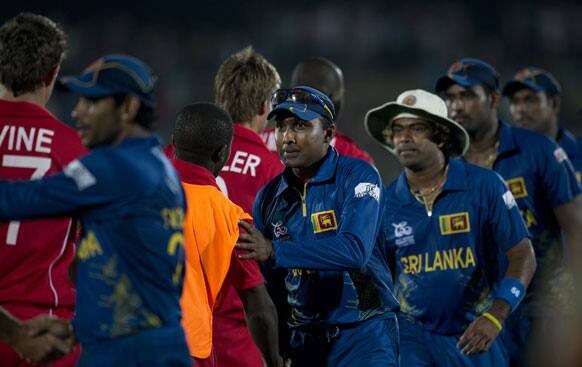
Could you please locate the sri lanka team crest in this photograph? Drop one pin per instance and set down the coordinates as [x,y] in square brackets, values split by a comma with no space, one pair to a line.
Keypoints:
[454,223]
[324,221]
[517,187]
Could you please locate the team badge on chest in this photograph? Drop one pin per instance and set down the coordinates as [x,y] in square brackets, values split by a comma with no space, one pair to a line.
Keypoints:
[454,223]
[324,221]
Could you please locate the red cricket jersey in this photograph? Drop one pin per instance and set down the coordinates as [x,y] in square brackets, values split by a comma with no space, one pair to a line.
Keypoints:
[342,143]
[35,254]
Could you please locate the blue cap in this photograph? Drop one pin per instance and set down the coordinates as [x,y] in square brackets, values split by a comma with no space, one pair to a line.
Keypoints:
[319,105]
[535,79]
[467,73]
[114,74]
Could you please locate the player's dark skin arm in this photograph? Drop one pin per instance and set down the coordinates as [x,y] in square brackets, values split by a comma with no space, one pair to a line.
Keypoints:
[569,217]
[481,333]
[261,318]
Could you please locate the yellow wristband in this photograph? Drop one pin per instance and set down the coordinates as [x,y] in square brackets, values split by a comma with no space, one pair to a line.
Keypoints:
[493,319]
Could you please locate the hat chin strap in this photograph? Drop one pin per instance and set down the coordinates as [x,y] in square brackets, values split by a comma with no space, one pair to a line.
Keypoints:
[405,115]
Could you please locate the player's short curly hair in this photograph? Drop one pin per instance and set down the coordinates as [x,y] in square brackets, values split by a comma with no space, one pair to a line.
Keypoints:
[442,136]
[31,47]
[243,82]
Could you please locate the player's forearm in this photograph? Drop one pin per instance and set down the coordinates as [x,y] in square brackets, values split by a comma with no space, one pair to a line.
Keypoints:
[261,318]
[521,262]
[520,270]
[341,252]
[569,217]
[10,327]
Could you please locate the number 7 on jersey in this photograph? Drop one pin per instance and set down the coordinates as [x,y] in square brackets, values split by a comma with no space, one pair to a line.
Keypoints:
[40,165]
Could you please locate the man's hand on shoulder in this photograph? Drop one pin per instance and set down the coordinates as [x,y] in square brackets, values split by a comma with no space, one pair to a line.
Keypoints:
[258,246]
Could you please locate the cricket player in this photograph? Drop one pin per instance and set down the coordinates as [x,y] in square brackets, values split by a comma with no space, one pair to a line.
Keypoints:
[541,179]
[534,102]
[35,255]
[319,221]
[131,205]
[446,223]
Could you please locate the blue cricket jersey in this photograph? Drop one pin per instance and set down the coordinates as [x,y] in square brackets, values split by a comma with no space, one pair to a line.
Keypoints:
[325,236]
[447,264]
[573,149]
[541,178]
[131,256]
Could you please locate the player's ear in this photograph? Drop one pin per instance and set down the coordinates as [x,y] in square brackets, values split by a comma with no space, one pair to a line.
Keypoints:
[329,131]
[263,108]
[556,103]
[52,75]
[130,107]
[221,154]
[495,99]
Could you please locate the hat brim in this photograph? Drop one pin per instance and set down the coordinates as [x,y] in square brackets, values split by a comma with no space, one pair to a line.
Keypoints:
[298,110]
[82,85]
[515,85]
[377,119]
[446,81]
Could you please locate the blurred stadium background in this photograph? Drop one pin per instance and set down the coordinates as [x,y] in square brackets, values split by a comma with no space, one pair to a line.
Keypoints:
[384,47]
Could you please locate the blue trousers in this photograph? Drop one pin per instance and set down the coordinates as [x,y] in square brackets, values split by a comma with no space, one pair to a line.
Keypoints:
[368,343]
[419,348]
[153,347]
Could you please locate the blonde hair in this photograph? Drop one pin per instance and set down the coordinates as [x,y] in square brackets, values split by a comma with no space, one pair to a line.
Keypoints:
[243,82]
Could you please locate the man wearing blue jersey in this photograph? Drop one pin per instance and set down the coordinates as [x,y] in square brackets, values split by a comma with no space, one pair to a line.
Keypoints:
[129,199]
[319,221]
[542,180]
[534,102]
[446,223]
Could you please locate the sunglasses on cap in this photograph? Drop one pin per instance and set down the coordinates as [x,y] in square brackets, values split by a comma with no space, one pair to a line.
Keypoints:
[303,96]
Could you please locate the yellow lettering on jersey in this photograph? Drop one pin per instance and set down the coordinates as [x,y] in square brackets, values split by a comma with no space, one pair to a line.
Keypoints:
[296,272]
[448,261]
[89,247]
[517,187]
[441,260]
[173,218]
[579,178]
[529,218]
[470,259]
[177,239]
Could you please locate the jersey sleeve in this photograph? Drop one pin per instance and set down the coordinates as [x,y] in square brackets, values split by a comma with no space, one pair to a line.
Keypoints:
[82,183]
[356,236]
[507,224]
[557,175]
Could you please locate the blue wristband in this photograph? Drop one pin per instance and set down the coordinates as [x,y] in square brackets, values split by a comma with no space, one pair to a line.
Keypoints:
[511,291]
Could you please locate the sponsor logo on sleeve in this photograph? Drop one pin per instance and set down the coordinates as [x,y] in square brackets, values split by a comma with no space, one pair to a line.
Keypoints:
[509,200]
[454,223]
[364,189]
[80,174]
[324,221]
[517,187]
[404,234]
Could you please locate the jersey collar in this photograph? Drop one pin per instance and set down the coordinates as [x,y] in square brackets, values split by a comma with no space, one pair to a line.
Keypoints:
[456,181]
[194,174]
[243,133]
[326,171]
[507,142]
